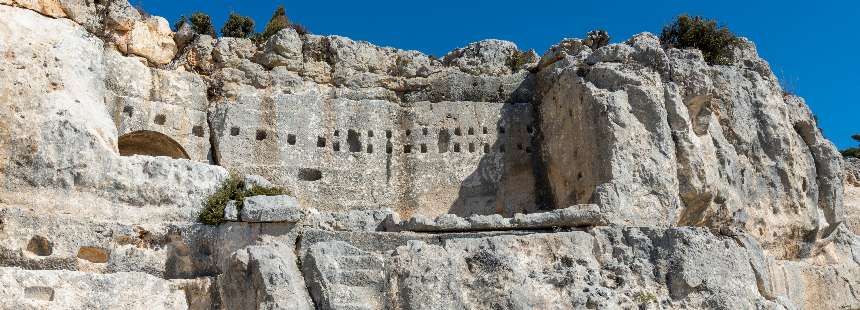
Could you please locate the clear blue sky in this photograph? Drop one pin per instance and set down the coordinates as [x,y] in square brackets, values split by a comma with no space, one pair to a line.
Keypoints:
[812,44]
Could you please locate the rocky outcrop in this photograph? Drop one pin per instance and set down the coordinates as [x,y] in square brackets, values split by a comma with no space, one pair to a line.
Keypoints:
[679,142]
[628,175]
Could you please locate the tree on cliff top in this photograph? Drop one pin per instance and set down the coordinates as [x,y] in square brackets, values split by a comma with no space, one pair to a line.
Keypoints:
[715,42]
[852,151]
[200,23]
[238,26]
[278,22]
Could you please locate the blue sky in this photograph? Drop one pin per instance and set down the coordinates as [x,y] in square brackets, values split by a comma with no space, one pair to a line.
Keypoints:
[813,45]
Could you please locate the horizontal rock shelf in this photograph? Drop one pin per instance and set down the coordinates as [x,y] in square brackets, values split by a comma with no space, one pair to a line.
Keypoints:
[575,216]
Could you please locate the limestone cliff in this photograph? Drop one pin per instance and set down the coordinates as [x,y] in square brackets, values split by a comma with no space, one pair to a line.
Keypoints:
[622,176]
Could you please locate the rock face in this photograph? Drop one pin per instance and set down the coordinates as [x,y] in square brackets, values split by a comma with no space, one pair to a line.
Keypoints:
[625,176]
[852,194]
[678,142]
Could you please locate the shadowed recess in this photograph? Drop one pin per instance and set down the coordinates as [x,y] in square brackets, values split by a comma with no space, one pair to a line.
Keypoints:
[151,143]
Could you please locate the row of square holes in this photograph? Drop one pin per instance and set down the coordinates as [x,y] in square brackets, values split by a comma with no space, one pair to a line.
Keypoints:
[261,134]
[197,130]
[407,148]
[321,142]
[161,119]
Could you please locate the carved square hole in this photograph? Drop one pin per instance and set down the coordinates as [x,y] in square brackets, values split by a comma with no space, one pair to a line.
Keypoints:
[40,246]
[337,133]
[471,131]
[352,140]
[471,147]
[456,147]
[458,132]
[234,131]
[408,132]
[389,148]
[160,119]
[320,142]
[291,139]
[407,149]
[485,130]
[197,131]
[310,174]
[424,131]
[486,148]
[128,110]
[370,149]
[370,133]
[423,148]
[388,134]
[336,146]
[261,135]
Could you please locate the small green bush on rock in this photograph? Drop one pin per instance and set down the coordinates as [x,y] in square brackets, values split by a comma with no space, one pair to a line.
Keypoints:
[238,26]
[715,42]
[232,189]
[200,23]
[278,22]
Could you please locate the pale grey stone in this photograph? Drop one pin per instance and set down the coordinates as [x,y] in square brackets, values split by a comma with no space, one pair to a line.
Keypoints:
[231,213]
[264,277]
[253,180]
[283,49]
[361,285]
[280,208]
[34,289]
[487,57]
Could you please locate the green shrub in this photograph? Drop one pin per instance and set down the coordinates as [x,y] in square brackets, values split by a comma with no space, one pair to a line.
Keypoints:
[200,23]
[715,42]
[852,151]
[231,189]
[278,22]
[238,26]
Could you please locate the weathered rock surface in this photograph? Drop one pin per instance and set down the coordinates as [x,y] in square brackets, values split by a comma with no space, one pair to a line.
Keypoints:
[281,208]
[47,289]
[625,176]
[678,142]
[264,278]
[852,194]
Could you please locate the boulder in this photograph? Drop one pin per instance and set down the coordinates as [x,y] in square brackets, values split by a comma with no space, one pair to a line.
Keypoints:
[231,212]
[487,57]
[264,277]
[283,49]
[281,208]
[152,39]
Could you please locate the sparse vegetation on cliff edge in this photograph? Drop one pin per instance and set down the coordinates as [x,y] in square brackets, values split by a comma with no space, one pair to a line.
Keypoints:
[715,42]
[239,26]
